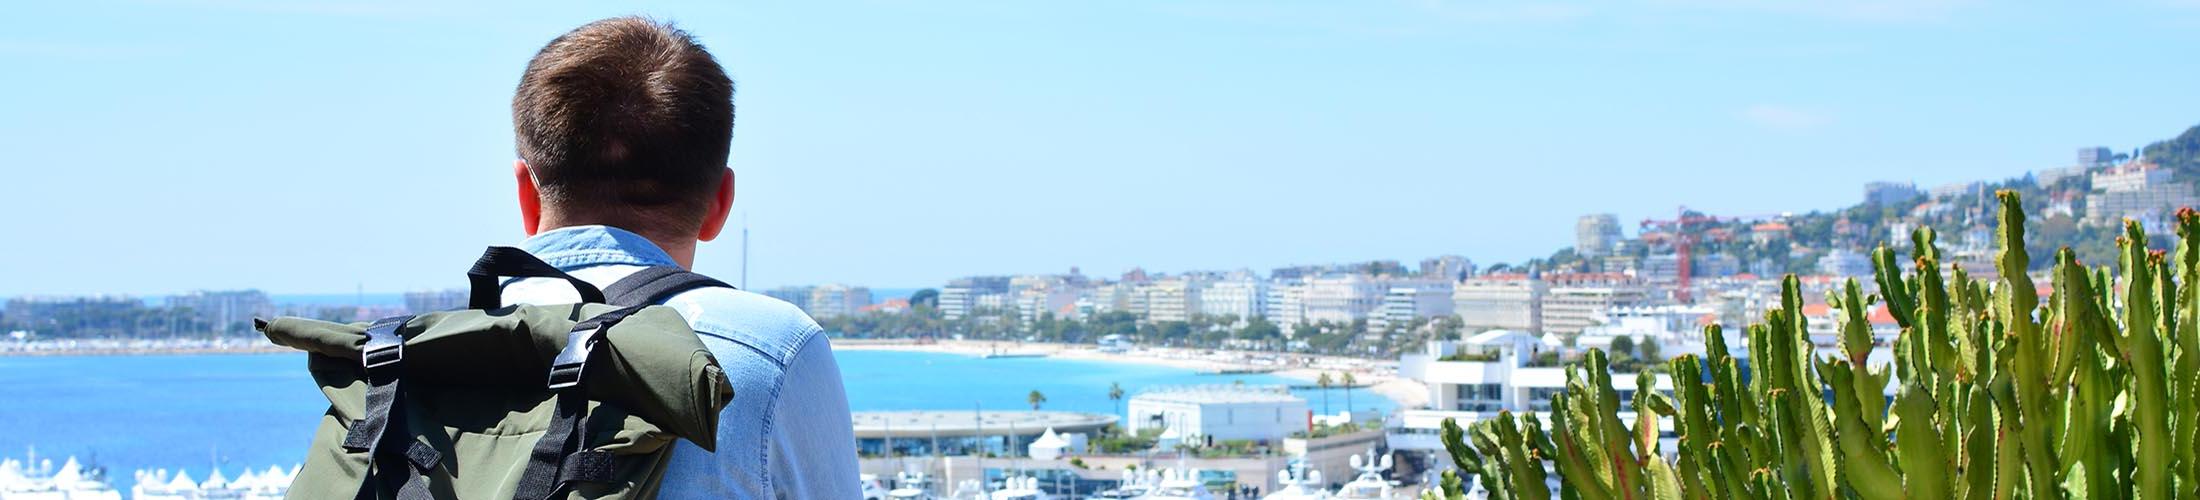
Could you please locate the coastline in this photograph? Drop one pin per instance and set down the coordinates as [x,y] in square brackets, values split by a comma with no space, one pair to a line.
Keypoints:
[1377,376]
[155,349]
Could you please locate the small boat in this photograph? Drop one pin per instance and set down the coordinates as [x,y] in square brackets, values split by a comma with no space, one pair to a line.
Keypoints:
[1180,484]
[1297,483]
[1134,485]
[969,489]
[871,489]
[1020,488]
[1370,484]
[911,486]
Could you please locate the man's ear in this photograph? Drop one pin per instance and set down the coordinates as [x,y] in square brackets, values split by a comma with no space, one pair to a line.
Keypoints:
[530,198]
[721,207]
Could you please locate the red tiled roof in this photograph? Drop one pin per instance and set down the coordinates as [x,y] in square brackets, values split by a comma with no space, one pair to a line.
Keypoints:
[1881,316]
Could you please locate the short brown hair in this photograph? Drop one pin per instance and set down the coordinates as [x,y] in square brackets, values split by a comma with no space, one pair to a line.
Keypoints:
[625,121]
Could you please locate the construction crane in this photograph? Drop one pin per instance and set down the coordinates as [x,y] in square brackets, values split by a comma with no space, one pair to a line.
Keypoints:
[1684,231]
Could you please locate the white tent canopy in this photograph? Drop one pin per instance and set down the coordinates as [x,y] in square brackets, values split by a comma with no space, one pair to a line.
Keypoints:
[1048,446]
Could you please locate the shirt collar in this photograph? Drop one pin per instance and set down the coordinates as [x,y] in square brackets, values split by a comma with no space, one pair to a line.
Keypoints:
[576,247]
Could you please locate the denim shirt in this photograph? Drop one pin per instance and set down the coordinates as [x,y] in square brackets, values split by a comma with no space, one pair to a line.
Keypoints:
[787,433]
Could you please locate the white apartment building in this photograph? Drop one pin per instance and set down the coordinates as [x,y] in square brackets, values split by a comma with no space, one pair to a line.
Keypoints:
[1171,299]
[799,296]
[1104,298]
[1504,302]
[1343,298]
[1569,309]
[1286,304]
[1489,372]
[1032,303]
[1490,375]
[1676,329]
[1843,263]
[1718,265]
[955,301]
[965,295]
[832,300]
[1596,234]
[1240,297]
[1258,413]
[1408,301]
[1036,295]
[1664,268]
[2136,190]
[991,301]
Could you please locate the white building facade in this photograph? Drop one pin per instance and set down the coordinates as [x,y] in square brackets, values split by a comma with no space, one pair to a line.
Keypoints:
[1223,412]
[1243,298]
[1343,298]
[1405,302]
[1514,303]
[832,300]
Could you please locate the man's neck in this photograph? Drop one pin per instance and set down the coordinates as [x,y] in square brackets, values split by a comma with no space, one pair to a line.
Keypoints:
[682,250]
[682,253]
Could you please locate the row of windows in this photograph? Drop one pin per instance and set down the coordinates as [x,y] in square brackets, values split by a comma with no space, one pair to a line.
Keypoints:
[1485,392]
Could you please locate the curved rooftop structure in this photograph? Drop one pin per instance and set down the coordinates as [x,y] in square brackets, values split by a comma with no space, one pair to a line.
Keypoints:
[952,423]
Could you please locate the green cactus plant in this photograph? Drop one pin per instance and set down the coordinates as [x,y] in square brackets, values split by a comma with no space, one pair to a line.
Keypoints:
[2093,393]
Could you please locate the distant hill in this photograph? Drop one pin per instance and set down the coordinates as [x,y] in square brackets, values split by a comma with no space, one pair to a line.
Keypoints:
[2180,154]
[1963,218]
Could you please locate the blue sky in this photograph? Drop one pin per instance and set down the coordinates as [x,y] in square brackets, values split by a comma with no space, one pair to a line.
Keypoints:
[310,146]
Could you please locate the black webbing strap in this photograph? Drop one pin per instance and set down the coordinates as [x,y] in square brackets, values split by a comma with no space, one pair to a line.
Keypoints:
[501,262]
[557,457]
[588,467]
[652,285]
[541,477]
[383,357]
[384,349]
[419,459]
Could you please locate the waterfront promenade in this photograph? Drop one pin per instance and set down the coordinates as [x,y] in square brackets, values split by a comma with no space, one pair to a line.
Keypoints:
[1378,376]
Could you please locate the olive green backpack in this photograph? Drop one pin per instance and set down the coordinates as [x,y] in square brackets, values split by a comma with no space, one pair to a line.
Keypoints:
[510,402]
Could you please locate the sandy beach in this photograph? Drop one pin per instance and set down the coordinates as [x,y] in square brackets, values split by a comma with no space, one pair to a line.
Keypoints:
[1379,376]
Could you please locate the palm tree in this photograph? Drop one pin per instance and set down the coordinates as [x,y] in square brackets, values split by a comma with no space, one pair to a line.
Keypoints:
[1035,398]
[1115,393]
[1324,382]
[1348,382]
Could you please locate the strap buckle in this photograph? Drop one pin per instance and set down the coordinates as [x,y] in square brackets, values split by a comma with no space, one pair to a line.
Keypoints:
[377,357]
[384,346]
[565,371]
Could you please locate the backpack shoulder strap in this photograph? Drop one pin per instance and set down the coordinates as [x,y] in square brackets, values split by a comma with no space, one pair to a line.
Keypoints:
[654,284]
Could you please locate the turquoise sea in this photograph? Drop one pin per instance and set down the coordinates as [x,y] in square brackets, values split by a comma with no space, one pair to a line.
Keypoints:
[197,411]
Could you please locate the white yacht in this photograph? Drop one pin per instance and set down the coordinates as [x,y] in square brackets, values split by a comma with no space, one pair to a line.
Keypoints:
[969,489]
[1370,484]
[1020,488]
[41,480]
[911,486]
[871,488]
[1297,483]
[1179,484]
[1134,485]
